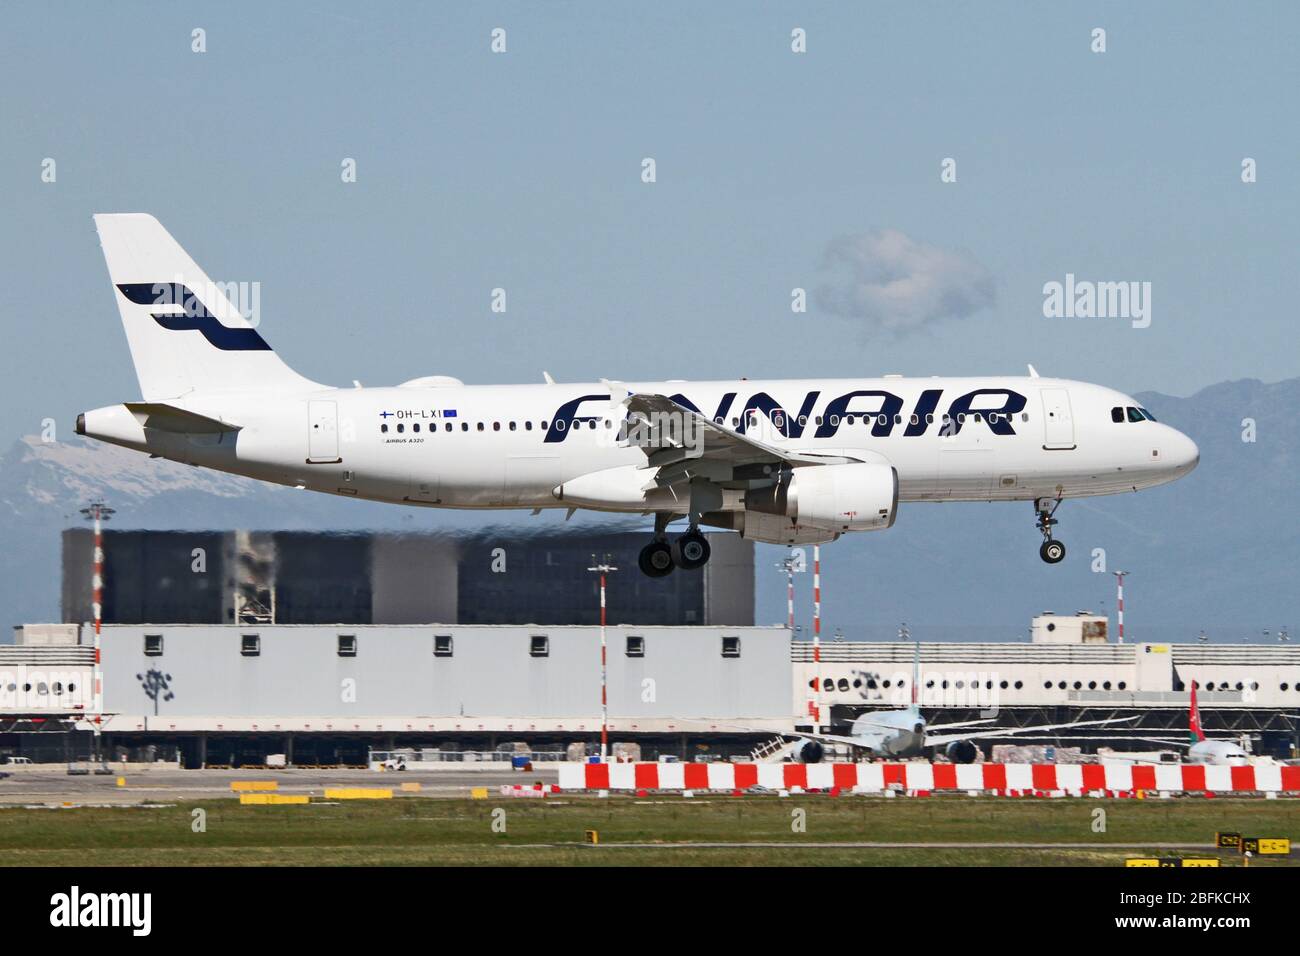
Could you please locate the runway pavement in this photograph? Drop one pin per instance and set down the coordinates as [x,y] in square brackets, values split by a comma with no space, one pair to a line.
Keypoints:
[51,784]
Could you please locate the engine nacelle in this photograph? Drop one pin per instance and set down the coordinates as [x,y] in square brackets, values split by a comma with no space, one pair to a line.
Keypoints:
[856,497]
[808,751]
[775,529]
[962,751]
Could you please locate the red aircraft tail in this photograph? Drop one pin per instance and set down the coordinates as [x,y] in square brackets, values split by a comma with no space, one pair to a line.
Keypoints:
[1194,718]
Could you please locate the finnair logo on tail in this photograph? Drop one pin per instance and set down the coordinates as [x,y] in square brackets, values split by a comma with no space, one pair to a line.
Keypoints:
[189,314]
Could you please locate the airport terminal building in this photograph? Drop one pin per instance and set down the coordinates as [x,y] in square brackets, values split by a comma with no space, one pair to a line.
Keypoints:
[221,648]
[232,694]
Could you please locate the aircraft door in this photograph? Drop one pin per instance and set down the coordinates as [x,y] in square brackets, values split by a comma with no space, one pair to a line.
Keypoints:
[1058,423]
[322,432]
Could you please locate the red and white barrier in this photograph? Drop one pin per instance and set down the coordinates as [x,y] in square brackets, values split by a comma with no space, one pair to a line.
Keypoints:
[1014,779]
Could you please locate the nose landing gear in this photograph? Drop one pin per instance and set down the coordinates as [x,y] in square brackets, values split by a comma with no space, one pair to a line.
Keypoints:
[1051,550]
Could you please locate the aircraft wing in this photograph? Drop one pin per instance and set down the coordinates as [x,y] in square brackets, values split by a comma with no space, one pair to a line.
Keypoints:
[961,723]
[694,443]
[940,739]
[826,738]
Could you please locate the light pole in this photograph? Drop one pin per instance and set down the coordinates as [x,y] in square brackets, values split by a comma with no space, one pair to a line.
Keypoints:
[97,513]
[792,562]
[603,568]
[817,632]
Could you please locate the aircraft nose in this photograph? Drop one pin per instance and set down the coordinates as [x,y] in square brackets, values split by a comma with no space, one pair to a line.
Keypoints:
[1183,454]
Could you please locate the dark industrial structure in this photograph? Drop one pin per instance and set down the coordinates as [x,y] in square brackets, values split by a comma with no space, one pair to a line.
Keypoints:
[495,577]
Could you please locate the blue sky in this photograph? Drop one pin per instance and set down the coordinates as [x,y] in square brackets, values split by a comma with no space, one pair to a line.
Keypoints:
[522,170]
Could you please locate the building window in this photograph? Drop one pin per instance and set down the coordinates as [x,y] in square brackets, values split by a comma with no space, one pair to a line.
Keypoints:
[635,646]
[153,645]
[730,647]
[442,645]
[539,645]
[347,645]
[250,645]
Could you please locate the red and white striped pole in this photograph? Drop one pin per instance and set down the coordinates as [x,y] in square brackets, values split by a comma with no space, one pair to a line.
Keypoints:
[603,569]
[789,595]
[1119,601]
[817,593]
[817,627]
[97,513]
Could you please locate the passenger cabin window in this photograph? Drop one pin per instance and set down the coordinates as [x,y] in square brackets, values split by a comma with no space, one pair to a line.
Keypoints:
[250,645]
[539,645]
[635,646]
[730,646]
[442,646]
[153,645]
[347,645]
[384,427]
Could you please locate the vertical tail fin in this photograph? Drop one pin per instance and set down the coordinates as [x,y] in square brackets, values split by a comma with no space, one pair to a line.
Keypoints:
[1194,718]
[185,334]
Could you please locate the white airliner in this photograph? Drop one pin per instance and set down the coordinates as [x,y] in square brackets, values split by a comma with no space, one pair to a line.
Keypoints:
[788,461]
[1200,749]
[904,732]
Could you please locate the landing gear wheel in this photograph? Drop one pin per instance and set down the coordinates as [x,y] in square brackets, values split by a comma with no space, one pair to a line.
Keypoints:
[656,559]
[691,550]
[1052,551]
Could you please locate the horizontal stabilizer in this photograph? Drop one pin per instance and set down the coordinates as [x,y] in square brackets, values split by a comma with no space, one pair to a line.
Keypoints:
[169,418]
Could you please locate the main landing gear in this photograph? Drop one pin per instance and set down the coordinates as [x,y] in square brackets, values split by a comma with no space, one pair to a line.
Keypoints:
[1051,551]
[688,551]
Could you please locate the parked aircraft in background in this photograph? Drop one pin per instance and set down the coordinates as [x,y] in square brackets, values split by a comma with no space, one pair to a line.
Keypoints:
[904,732]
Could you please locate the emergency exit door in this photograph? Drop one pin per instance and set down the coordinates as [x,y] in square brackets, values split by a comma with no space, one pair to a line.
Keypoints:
[322,432]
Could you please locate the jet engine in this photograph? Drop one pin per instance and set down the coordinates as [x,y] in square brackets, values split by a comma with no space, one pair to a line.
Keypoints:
[853,497]
[962,751]
[808,751]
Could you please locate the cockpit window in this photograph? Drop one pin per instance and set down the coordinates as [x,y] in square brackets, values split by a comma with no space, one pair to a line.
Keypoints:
[1134,415]
[1149,417]
[1117,414]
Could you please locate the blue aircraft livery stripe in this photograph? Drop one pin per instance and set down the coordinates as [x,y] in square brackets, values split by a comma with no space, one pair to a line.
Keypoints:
[193,317]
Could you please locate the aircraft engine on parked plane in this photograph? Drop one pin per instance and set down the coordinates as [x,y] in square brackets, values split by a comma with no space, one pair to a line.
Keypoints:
[962,751]
[808,751]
